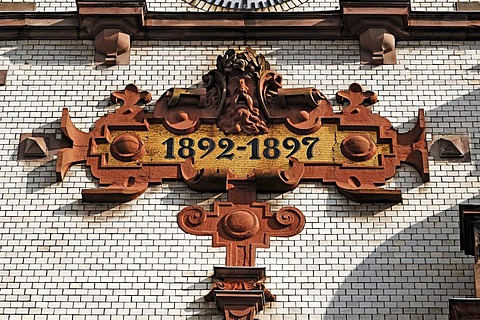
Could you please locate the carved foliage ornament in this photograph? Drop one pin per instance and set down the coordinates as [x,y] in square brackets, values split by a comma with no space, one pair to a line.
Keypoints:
[244,125]
[243,133]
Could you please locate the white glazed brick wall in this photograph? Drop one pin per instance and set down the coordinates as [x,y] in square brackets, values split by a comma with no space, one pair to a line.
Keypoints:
[294,5]
[298,5]
[51,5]
[435,5]
[61,258]
[199,5]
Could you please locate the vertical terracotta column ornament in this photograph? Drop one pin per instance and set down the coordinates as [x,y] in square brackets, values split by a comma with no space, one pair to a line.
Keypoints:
[470,238]
[3,77]
[469,308]
[376,24]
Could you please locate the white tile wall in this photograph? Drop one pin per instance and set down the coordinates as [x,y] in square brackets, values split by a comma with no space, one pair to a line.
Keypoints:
[51,5]
[203,5]
[436,5]
[289,5]
[61,258]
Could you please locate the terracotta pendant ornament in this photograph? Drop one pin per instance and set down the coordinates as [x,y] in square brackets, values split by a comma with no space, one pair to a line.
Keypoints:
[243,133]
[241,228]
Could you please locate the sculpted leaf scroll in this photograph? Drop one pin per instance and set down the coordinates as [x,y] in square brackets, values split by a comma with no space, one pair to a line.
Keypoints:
[244,126]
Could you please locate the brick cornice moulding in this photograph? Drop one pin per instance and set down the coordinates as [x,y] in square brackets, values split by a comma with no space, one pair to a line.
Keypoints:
[328,25]
[96,16]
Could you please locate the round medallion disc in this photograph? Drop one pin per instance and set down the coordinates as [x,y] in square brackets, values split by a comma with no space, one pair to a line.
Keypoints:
[127,147]
[241,224]
[358,147]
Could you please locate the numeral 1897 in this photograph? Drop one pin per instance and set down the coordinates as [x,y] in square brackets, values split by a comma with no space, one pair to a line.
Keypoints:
[269,149]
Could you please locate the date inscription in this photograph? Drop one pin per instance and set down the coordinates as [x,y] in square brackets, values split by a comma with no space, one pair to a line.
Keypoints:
[241,154]
[225,148]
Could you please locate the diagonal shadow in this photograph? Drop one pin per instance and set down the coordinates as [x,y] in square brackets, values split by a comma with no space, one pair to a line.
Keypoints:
[413,273]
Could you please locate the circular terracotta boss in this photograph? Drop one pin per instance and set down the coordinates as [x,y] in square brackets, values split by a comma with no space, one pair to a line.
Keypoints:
[127,147]
[358,147]
[241,224]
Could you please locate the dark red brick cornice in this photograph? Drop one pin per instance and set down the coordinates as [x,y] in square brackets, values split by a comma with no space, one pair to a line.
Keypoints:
[132,18]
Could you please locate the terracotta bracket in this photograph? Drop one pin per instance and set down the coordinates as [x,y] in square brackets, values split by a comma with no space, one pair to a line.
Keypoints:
[97,15]
[112,46]
[376,24]
[239,294]
[377,46]
[111,23]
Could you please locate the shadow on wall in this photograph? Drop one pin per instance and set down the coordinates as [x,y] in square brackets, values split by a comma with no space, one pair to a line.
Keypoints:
[412,274]
[50,53]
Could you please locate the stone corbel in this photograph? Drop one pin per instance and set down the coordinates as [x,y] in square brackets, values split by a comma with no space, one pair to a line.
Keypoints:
[112,24]
[376,24]
[112,47]
[377,46]
[239,294]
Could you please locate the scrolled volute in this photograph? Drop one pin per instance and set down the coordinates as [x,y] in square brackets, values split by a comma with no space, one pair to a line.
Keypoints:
[290,221]
[190,218]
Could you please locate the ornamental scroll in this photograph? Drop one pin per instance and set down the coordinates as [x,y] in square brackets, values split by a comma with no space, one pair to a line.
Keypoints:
[243,133]
[244,126]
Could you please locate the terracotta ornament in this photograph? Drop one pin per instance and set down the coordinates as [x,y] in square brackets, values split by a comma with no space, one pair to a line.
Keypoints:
[3,77]
[112,46]
[40,146]
[239,294]
[241,228]
[377,46]
[451,148]
[276,138]
[243,133]
[35,147]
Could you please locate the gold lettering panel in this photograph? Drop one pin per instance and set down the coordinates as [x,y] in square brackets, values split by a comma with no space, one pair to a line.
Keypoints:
[242,153]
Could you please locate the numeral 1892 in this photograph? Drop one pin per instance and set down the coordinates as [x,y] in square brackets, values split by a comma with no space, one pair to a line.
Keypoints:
[269,149]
